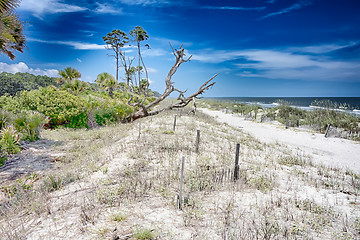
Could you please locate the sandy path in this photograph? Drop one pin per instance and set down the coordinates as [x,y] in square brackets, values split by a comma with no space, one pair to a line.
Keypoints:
[330,151]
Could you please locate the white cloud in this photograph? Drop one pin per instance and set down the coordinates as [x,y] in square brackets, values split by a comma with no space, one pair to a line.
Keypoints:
[301,64]
[154,52]
[75,45]
[41,7]
[152,70]
[22,67]
[295,6]
[82,46]
[79,60]
[108,9]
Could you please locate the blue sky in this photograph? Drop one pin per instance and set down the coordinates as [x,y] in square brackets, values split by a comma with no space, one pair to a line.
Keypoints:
[259,47]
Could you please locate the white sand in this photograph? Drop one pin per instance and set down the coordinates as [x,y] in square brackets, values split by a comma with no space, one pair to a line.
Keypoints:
[334,152]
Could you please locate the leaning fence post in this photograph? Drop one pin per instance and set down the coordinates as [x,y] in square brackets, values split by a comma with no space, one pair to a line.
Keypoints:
[327,130]
[181,182]
[197,141]
[236,169]
[174,123]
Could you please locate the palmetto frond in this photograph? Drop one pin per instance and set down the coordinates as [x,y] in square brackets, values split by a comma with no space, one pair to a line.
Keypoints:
[69,74]
[8,5]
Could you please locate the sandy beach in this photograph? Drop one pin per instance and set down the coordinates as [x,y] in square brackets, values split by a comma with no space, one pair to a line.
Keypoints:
[334,152]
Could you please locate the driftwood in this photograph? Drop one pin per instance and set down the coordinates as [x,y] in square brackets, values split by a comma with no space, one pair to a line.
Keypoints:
[182,101]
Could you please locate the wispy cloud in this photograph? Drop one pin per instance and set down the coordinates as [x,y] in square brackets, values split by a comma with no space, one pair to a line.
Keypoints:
[152,70]
[73,44]
[154,52]
[40,8]
[108,9]
[326,48]
[295,6]
[234,8]
[145,2]
[22,67]
[286,64]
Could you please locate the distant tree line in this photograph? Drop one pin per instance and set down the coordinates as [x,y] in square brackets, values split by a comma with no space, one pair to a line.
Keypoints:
[13,83]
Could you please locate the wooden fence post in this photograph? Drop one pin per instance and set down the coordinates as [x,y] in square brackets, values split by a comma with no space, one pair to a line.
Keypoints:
[327,130]
[139,128]
[197,141]
[236,169]
[174,123]
[181,182]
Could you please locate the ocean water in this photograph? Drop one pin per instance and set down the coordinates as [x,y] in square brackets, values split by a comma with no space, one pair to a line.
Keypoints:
[352,103]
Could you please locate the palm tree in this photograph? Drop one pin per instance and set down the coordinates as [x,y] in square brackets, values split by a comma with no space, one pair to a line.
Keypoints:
[144,84]
[107,82]
[68,74]
[140,35]
[11,29]
[75,86]
[8,5]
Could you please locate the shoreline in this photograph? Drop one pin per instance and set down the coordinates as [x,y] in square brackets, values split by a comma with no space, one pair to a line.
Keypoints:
[333,152]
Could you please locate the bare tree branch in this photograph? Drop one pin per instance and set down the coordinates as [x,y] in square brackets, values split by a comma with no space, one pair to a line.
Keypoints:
[182,100]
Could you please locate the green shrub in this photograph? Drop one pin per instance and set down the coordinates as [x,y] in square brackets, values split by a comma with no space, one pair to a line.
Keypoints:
[27,123]
[9,140]
[105,116]
[61,107]
[10,103]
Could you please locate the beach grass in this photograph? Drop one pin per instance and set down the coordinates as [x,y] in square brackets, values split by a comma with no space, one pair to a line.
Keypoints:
[113,181]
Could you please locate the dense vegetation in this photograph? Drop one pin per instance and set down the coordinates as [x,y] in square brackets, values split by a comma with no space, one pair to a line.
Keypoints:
[30,102]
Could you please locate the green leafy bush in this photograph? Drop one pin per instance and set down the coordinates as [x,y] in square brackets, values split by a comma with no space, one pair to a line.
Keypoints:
[105,116]
[10,104]
[61,107]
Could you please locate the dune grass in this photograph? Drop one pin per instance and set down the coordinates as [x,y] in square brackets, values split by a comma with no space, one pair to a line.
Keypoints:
[111,182]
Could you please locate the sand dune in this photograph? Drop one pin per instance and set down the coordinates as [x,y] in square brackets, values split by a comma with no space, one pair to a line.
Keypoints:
[334,152]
